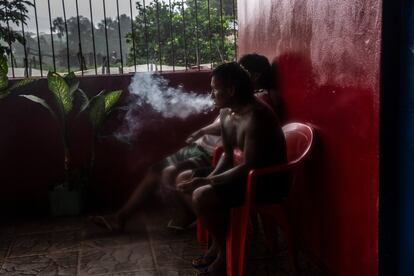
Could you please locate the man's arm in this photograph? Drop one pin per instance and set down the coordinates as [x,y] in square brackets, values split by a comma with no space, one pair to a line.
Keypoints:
[212,129]
[225,161]
[250,157]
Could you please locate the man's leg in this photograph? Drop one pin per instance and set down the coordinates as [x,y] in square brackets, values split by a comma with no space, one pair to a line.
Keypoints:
[147,185]
[215,215]
[185,215]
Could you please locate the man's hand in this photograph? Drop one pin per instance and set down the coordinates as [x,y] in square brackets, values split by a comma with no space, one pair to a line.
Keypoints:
[191,185]
[194,136]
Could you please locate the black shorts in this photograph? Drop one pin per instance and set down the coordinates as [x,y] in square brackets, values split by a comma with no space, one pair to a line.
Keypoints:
[269,189]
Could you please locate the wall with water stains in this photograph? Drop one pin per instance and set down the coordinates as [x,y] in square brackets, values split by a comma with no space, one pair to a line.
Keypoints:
[328,59]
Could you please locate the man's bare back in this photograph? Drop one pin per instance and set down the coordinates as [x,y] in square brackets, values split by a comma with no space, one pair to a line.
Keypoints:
[255,130]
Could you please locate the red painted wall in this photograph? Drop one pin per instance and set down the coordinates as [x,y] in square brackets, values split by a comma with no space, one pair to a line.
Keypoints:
[31,151]
[328,55]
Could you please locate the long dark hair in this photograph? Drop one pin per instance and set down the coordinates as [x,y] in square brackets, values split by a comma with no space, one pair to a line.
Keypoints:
[231,74]
[255,63]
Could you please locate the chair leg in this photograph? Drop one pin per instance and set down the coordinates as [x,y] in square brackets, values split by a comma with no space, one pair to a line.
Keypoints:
[236,241]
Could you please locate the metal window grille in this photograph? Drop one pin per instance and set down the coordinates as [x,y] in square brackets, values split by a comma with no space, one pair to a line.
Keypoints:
[122,36]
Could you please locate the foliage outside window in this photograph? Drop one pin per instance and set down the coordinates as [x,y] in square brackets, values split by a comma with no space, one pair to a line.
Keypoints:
[207,38]
[12,11]
[180,34]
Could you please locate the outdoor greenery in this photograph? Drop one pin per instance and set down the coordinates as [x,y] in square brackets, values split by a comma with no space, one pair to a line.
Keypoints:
[12,11]
[182,33]
[5,88]
[187,32]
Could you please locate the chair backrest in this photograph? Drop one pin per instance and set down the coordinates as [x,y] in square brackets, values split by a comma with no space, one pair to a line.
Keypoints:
[299,139]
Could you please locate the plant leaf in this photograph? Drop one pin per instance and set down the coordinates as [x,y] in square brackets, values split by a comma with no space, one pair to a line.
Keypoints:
[4,81]
[97,111]
[111,98]
[40,101]
[72,81]
[83,100]
[61,90]
[4,68]
[20,83]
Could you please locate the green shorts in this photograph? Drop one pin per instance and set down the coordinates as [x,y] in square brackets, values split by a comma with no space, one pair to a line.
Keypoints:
[194,154]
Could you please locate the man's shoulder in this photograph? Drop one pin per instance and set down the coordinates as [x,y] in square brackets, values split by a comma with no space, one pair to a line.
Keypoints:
[262,112]
[225,111]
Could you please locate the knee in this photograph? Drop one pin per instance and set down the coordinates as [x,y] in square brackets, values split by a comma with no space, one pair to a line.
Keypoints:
[168,174]
[168,170]
[183,177]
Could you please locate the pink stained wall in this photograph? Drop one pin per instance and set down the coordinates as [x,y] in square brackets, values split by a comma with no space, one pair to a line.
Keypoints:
[328,58]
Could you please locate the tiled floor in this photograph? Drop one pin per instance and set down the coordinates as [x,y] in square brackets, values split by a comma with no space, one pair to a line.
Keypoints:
[72,246]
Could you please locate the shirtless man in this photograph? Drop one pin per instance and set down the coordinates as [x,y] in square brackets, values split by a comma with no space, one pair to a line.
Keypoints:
[193,159]
[246,124]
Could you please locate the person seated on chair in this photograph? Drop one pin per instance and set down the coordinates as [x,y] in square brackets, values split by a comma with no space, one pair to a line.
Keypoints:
[262,74]
[251,126]
[197,154]
[192,160]
[264,86]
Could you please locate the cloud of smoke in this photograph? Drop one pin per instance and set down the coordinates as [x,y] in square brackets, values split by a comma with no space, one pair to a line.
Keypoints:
[153,90]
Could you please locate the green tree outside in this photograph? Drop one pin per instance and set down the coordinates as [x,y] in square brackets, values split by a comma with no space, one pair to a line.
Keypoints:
[184,33]
[179,32]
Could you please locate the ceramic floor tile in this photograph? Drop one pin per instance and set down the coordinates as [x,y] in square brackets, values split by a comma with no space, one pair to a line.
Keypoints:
[32,244]
[157,225]
[106,239]
[135,224]
[165,234]
[5,243]
[138,273]
[45,265]
[178,272]
[148,248]
[136,257]
[176,254]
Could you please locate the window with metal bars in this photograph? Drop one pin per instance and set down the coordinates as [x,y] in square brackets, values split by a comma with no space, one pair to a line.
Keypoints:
[121,36]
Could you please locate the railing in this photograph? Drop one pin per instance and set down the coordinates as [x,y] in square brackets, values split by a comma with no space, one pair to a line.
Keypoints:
[94,37]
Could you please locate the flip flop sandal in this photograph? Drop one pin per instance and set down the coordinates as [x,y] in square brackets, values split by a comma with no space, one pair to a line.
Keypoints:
[171,225]
[101,222]
[202,262]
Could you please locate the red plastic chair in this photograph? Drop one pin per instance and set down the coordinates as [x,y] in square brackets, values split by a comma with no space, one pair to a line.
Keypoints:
[299,139]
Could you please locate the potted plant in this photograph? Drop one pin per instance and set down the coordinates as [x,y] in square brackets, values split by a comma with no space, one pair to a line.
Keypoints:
[66,198]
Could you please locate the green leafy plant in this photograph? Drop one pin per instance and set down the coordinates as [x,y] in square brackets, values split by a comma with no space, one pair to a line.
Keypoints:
[65,90]
[100,107]
[5,88]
